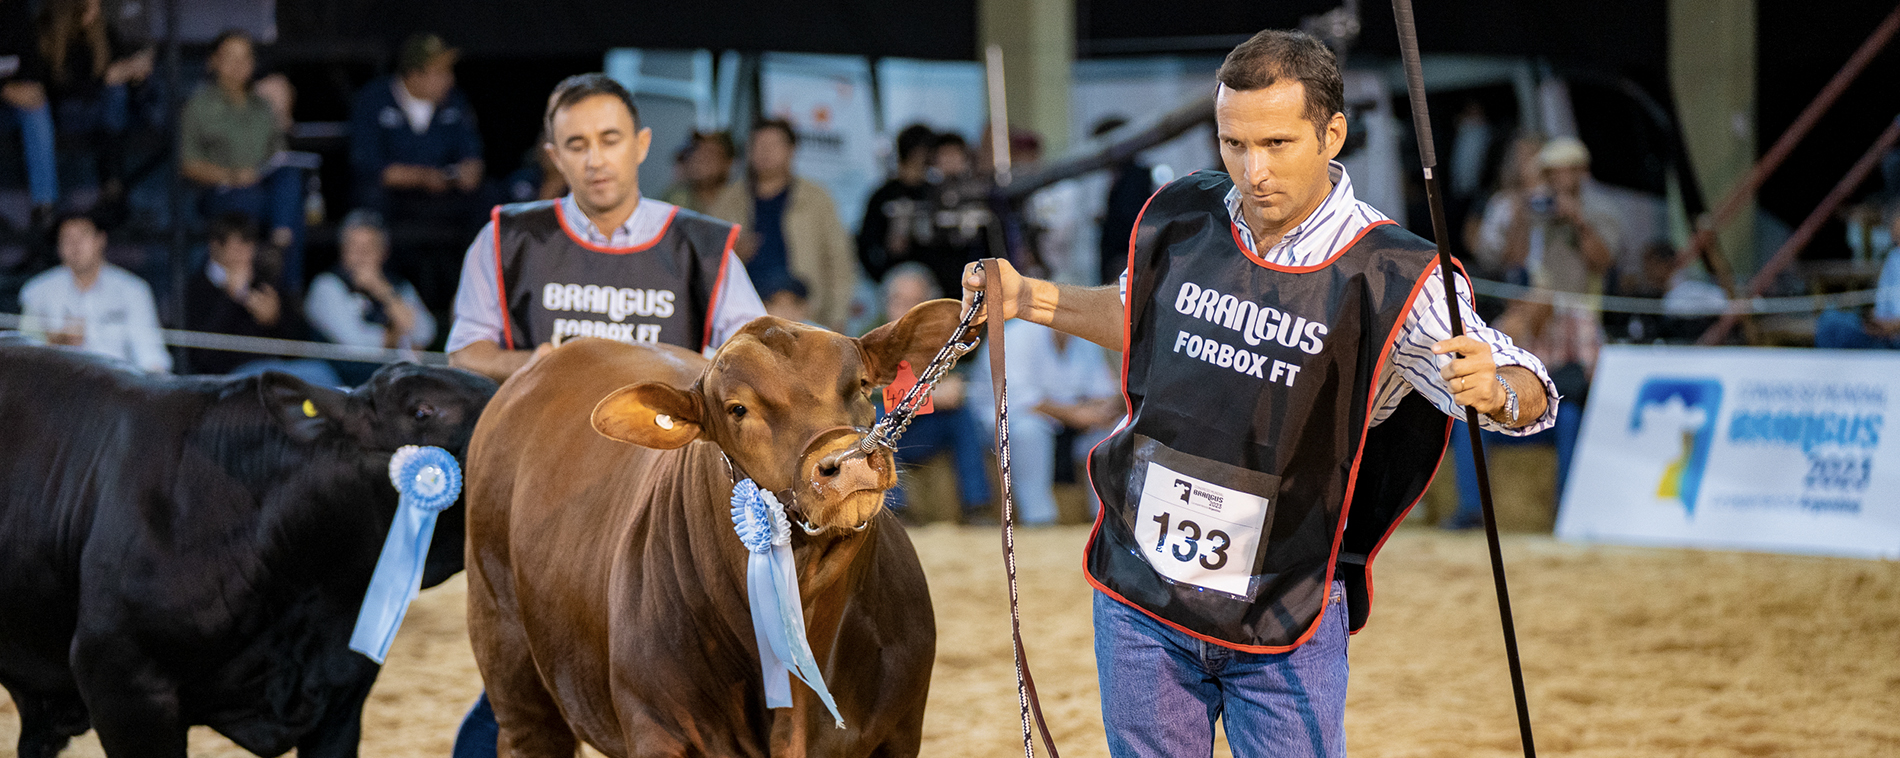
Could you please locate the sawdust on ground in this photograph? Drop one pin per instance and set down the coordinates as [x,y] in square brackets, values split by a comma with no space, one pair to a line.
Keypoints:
[1628,652]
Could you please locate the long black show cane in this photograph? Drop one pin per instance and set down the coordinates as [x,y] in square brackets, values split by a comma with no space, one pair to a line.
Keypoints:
[1434,196]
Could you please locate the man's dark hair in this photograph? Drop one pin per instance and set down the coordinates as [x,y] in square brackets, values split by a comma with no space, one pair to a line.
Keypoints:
[1277,54]
[914,138]
[947,139]
[233,224]
[228,35]
[721,140]
[789,284]
[791,135]
[63,217]
[582,86]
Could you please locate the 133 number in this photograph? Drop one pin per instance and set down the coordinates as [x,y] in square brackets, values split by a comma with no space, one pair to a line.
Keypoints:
[1190,546]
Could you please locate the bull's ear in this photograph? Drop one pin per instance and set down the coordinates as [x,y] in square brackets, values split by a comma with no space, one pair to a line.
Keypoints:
[304,410]
[650,414]
[916,338]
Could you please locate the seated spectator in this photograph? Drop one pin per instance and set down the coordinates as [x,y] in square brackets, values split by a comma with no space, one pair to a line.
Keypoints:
[414,145]
[359,303]
[1064,397]
[229,143]
[950,427]
[23,100]
[886,236]
[234,296]
[1879,329]
[792,226]
[791,301]
[417,157]
[705,170]
[92,77]
[88,303]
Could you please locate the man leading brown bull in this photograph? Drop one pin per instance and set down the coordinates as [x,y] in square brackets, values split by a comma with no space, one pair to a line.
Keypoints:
[1288,367]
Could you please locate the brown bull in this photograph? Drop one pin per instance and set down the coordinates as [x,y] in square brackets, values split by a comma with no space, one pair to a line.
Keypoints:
[607,588]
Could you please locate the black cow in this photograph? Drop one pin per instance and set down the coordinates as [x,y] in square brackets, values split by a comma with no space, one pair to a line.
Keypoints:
[180,551]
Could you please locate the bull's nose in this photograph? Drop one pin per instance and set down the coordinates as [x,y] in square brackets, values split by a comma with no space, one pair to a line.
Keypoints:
[846,471]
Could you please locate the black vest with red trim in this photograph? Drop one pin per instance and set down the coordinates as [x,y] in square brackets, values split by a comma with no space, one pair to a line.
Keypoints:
[1246,477]
[553,284]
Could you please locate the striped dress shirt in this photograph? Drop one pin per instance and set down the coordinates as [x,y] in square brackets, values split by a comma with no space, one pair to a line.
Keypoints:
[1410,366]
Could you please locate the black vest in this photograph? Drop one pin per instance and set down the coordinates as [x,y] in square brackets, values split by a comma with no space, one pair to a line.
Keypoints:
[662,290]
[1246,472]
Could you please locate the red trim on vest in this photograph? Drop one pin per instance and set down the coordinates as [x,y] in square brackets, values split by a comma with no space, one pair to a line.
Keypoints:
[1401,520]
[1443,450]
[562,215]
[719,286]
[1255,257]
[1352,481]
[501,287]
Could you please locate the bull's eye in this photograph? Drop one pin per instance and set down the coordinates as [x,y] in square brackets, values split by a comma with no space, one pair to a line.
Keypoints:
[424,411]
[737,411]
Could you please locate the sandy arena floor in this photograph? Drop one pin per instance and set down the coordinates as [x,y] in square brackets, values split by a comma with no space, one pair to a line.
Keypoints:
[1629,653]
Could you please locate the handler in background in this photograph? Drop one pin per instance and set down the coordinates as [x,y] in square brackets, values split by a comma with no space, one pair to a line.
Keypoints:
[568,267]
[1289,364]
[546,269]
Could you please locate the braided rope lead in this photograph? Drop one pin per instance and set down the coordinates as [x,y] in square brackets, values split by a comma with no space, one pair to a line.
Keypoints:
[897,420]
[1009,567]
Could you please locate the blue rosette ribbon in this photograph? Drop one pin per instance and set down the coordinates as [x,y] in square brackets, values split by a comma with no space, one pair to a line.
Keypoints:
[428,480]
[778,616]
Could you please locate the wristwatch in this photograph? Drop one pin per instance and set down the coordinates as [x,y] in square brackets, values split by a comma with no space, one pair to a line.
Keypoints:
[1510,400]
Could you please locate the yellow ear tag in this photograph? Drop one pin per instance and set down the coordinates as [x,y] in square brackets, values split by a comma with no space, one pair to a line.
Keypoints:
[309,409]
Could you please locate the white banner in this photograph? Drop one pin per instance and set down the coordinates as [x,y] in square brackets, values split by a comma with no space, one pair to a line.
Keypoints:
[947,96]
[827,98]
[1750,448]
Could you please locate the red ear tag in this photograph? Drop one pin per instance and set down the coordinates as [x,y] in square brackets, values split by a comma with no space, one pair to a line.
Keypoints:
[895,391]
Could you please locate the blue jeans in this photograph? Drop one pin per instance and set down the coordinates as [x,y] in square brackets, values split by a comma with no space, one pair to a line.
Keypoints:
[1563,436]
[479,734]
[42,167]
[950,429]
[1842,330]
[1162,689]
[276,201]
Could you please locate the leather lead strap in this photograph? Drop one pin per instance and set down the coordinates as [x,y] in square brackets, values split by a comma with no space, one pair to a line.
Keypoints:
[1025,682]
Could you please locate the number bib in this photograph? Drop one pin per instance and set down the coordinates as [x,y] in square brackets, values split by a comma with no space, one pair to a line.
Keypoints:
[1197,532]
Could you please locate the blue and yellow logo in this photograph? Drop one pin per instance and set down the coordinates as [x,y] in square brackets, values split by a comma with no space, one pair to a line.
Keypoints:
[1700,400]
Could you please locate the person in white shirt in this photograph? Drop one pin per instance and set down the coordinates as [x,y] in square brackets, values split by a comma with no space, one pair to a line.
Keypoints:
[359,303]
[1057,383]
[94,305]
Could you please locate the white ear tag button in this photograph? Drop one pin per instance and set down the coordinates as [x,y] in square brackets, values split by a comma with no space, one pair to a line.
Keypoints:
[663,421]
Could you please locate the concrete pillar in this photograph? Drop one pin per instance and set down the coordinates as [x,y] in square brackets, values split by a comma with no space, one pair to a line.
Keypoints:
[1038,41]
[1712,70]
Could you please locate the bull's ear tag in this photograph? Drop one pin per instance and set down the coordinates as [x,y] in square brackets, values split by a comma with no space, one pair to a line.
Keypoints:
[899,387]
[309,409]
[662,421]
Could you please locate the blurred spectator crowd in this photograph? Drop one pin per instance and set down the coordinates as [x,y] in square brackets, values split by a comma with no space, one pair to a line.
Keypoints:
[90,149]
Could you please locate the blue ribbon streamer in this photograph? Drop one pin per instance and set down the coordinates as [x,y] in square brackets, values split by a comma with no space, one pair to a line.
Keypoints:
[428,480]
[778,616]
